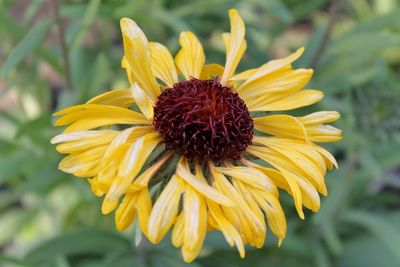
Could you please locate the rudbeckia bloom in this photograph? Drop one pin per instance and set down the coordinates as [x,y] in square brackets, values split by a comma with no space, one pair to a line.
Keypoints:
[216,132]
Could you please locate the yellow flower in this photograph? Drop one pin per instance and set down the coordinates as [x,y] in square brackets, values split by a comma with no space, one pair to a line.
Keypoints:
[228,163]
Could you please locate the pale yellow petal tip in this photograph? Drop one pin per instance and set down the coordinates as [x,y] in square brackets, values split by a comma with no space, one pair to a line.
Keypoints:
[108,206]
[182,34]
[301,213]
[125,22]
[54,139]
[318,96]
[122,224]
[300,51]
[335,115]
[124,63]
[153,238]
[120,227]
[188,256]
[233,12]
[242,252]
[315,209]
[188,259]
[59,113]
[324,191]
[280,242]
[95,188]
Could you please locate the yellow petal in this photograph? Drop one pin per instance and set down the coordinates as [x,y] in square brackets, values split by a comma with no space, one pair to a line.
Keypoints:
[242,76]
[329,158]
[235,45]
[126,213]
[183,172]
[97,188]
[178,231]
[309,193]
[83,140]
[93,123]
[162,64]
[132,163]
[273,66]
[143,206]
[258,238]
[273,210]
[83,164]
[250,176]
[284,182]
[279,82]
[211,71]
[145,177]
[80,135]
[109,205]
[189,255]
[294,160]
[291,186]
[89,116]
[282,126]
[305,148]
[226,37]
[190,59]
[117,149]
[230,233]
[121,98]
[142,100]
[137,53]
[320,117]
[324,133]
[195,226]
[297,100]
[125,65]
[248,219]
[137,154]
[165,210]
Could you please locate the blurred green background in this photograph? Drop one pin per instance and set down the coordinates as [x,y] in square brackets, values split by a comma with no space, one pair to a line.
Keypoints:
[57,53]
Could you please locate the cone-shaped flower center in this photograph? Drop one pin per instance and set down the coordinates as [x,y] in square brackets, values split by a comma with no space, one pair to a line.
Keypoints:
[203,119]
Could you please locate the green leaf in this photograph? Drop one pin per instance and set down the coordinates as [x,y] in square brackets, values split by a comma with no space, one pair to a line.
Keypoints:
[390,21]
[13,165]
[11,222]
[339,192]
[312,46]
[42,177]
[80,242]
[14,31]
[365,251]
[331,237]
[388,154]
[176,23]
[100,75]
[26,45]
[304,8]
[32,10]
[379,226]
[13,262]
[127,259]
[88,18]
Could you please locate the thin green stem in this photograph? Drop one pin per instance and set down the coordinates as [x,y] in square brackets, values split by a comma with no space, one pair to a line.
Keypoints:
[63,44]
[327,34]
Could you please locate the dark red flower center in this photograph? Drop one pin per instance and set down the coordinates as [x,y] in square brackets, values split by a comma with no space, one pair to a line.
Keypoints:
[203,119]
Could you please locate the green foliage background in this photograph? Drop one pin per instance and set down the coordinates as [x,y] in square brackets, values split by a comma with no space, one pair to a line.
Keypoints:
[48,218]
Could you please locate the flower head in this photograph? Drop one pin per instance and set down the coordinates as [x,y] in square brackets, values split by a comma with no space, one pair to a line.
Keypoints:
[199,119]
